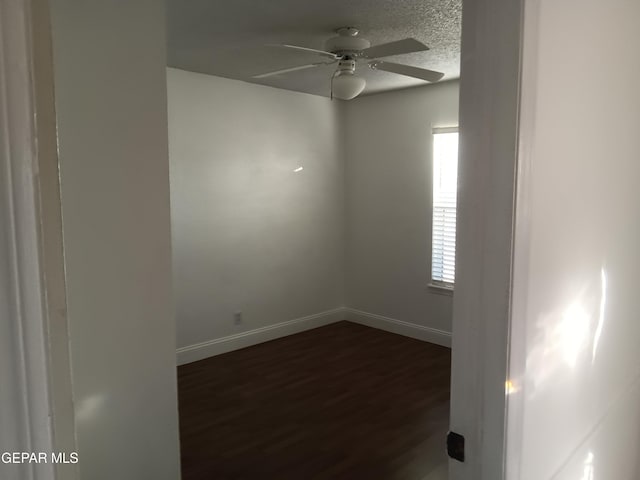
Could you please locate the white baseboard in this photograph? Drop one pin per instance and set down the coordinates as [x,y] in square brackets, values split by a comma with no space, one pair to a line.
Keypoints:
[420,332]
[199,351]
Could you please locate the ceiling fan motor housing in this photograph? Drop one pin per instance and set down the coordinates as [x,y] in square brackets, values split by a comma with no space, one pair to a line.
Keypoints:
[346,42]
[346,65]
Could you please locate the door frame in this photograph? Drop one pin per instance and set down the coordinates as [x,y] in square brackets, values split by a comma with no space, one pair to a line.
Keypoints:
[32,246]
[37,408]
[489,132]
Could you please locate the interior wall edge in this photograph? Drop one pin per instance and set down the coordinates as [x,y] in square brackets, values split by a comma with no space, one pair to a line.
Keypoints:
[388,150]
[256,86]
[266,164]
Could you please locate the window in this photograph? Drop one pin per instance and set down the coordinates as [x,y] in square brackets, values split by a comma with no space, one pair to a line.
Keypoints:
[445,188]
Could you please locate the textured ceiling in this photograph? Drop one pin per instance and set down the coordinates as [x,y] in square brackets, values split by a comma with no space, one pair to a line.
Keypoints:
[227,38]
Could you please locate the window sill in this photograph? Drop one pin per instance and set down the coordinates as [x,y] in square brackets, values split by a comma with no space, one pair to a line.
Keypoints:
[440,289]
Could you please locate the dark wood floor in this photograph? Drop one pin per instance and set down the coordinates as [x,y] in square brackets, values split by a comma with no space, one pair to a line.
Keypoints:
[339,402]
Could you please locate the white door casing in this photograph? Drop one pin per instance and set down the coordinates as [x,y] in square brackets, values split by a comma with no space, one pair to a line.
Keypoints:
[36,408]
[24,406]
[489,103]
[488,121]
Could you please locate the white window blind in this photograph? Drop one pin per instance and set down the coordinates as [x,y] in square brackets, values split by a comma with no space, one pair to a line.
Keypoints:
[445,189]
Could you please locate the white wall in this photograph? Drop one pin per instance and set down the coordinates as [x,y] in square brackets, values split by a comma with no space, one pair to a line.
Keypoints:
[388,195]
[252,235]
[249,233]
[110,88]
[576,328]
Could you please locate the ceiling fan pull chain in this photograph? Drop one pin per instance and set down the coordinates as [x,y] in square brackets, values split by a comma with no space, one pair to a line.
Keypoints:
[332,77]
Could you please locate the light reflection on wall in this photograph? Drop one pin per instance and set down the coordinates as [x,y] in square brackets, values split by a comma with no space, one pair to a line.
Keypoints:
[573,332]
[588,473]
[88,407]
[603,305]
[567,333]
[510,387]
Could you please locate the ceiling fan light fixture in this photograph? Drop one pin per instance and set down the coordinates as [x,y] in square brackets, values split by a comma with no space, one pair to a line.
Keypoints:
[346,85]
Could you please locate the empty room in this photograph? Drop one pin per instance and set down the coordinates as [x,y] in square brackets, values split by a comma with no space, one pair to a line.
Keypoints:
[320,306]
[313,161]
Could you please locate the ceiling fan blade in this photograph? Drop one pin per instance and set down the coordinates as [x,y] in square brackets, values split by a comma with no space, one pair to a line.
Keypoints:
[330,55]
[408,45]
[416,72]
[291,69]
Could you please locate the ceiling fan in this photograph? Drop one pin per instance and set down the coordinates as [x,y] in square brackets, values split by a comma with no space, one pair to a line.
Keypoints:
[346,49]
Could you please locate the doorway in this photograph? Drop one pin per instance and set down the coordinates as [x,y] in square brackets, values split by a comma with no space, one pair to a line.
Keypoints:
[278,197]
[99,175]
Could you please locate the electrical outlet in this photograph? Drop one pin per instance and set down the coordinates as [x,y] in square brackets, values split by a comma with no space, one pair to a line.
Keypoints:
[237,318]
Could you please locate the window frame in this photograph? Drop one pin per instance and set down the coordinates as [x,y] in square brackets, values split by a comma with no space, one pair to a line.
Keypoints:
[439,286]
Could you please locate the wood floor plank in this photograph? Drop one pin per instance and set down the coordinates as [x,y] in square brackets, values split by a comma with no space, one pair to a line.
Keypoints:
[342,401]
